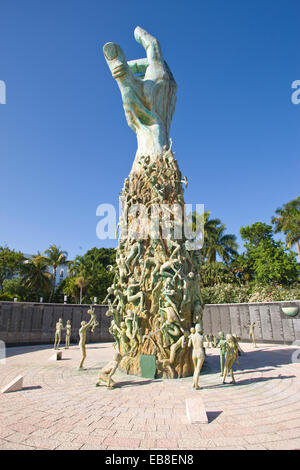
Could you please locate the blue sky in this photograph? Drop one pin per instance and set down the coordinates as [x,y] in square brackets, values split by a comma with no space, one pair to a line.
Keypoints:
[65,146]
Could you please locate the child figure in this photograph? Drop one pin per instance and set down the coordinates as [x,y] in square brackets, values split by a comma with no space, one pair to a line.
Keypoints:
[94,322]
[68,334]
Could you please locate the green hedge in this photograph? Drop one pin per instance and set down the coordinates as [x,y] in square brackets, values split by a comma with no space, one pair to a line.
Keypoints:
[230,293]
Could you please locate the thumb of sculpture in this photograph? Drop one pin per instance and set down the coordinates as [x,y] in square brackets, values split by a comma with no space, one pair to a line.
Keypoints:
[116,60]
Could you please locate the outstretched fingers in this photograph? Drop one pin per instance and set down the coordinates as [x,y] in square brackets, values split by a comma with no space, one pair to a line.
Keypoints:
[150,44]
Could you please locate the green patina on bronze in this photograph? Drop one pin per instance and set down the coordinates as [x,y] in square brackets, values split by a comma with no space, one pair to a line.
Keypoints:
[148,366]
[155,296]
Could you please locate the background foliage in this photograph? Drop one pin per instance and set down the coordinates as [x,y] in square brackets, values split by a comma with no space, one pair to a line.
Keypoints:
[267,270]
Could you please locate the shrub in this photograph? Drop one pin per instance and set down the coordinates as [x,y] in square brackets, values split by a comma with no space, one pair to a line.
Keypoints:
[230,293]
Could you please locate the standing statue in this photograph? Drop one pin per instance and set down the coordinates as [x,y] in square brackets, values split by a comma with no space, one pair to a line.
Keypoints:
[156,277]
[196,340]
[209,340]
[58,329]
[251,327]
[223,350]
[231,357]
[68,334]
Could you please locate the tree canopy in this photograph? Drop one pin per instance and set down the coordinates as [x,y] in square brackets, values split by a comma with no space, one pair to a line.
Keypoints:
[266,260]
[264,264]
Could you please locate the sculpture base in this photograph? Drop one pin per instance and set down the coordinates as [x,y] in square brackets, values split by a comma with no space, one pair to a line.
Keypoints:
[155,296]
[183,368]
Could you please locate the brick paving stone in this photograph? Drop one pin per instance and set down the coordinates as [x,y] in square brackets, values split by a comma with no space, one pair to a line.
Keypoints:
[122,442]
[236,447]
[5,432]
[195,443]
[69,446]
[23,427]
[94,447]
[223,441]
[69,412]
[255,447]
[15,446]
[130,434]
[17,437]
[147,444]
[292,444]
[259,438]
[167,444]
[290,433]
[40,443]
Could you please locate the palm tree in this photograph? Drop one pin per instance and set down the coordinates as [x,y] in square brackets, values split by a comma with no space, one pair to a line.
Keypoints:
[73,267]
[215,241]
[287,221]
[70,288]
[220,243]
[36,275]
[55,257]
[205,226]
[81,282]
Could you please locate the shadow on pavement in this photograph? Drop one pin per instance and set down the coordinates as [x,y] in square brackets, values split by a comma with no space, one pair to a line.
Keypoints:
[34,387]
[17,350]
[212,415]
[255,360]
[133,383]
[248,381]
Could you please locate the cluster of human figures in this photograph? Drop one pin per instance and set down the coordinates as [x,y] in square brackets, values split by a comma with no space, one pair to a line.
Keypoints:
[155,294]
[58,332]
[211,340]
[84,326]
[194,339]
[229,352]
[230,349]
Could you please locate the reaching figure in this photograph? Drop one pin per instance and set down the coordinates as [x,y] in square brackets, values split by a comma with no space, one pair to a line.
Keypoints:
[251,327]
[82,339]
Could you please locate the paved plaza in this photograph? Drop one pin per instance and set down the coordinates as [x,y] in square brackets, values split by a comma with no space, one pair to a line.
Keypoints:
[60,407]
